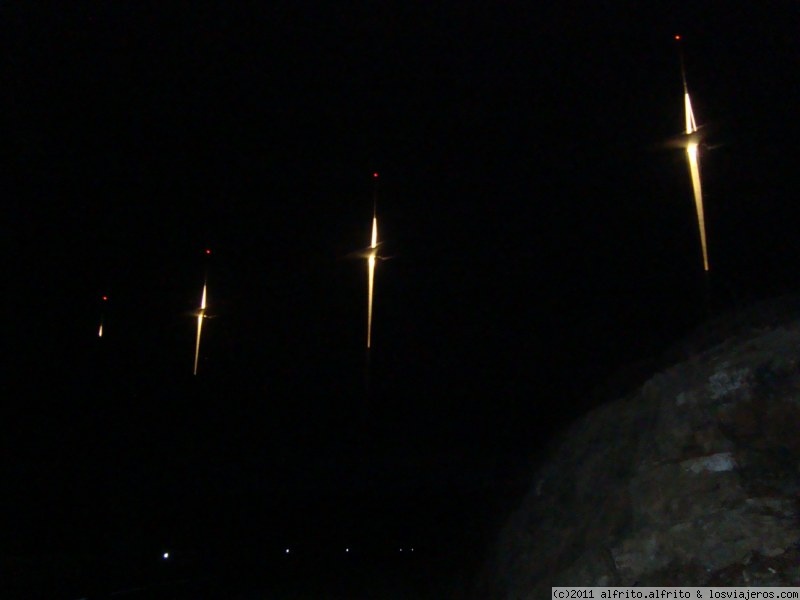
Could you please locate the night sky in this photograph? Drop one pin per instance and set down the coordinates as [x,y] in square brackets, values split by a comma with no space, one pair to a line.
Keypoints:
[542,236]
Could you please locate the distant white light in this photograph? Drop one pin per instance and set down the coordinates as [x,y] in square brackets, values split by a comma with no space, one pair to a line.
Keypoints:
[287,551]
[401,549]
[412,549]
[347,549]
[166,555]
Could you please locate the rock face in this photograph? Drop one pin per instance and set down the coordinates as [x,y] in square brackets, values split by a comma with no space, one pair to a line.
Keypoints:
[692,480]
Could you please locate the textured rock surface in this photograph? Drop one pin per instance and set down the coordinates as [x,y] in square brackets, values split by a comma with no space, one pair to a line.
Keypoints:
[694,479]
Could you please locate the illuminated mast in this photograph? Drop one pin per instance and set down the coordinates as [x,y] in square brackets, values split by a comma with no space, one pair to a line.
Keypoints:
[694,163]
[201,315]
[371,257]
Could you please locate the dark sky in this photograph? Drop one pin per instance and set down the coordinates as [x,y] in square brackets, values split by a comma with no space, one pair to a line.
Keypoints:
[542,239]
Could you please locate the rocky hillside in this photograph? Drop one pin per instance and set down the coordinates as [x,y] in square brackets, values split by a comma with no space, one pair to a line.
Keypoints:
[693,479]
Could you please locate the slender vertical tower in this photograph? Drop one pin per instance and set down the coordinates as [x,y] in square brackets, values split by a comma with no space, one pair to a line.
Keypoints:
[694,161]
[371,259]
[201,315]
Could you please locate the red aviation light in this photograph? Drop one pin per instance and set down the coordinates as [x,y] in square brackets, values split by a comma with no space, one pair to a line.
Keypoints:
[374,175]
[208,251]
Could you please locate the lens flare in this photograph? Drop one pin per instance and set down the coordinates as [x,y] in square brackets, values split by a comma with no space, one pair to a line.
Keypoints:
[201,314]
[692,153]
[371,277]
[370,253]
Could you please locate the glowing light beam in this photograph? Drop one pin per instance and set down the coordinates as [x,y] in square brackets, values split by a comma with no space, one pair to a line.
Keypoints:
[373,250]
[694,169]
[372,256]
[694,161]
[201,314]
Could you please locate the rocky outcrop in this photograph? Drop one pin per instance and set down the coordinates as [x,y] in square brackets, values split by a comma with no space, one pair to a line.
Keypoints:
[694,479]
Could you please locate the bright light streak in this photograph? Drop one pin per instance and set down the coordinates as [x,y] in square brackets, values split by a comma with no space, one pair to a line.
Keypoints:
[371,254]
[201,314]
[694,165]
[100,330]
[694,169]
[691,126]
[371,277]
